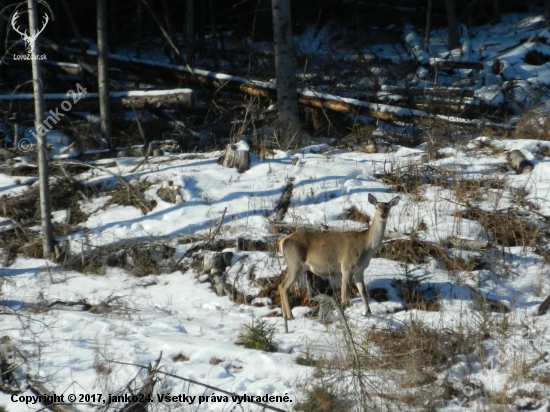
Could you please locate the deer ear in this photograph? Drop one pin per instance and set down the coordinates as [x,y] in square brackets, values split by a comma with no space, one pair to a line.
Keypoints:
[395,201]
[372,200]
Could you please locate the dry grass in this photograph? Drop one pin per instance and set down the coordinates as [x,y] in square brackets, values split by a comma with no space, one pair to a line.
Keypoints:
[415,251]
[414,355]
[133,197]
[138,258]
[472,190]
[64,193]
[323,398]
[533,124]
[506,229]
[354,214]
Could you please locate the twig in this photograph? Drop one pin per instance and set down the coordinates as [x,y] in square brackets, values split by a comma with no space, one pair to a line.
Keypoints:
[217,229]
[193,247]
[320,298]
[149,150]
[72,181]
[265,406]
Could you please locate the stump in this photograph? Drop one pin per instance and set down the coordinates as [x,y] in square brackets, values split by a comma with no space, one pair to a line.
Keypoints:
[519,162]
[237,155]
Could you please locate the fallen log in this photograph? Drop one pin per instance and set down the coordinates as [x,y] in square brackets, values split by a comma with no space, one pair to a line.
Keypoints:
[51,68]
[457,64]
[225,82]
[141,100]
[519,162]
[467,244]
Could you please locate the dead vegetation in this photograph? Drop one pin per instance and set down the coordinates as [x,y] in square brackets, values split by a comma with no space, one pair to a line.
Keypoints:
[136,257]
[354,214]
[132,193]
[415,251]
[533,124]
[418,348]
[506,228]
[65,194]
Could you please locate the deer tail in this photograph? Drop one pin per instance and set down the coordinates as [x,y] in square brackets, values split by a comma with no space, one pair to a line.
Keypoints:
[281,243]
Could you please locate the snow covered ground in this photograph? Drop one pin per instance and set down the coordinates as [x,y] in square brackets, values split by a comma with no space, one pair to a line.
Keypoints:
[75,351]
[176,314]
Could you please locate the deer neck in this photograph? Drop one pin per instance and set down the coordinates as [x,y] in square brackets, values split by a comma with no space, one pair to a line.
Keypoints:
[375,233]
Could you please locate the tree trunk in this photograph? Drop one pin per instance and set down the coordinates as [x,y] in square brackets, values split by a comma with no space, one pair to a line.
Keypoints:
[45,205]
[74,27]
[289,120]
[171,30]
[497,11]
[263,21]
[139,28]
[428,26]
[452,24]
[199,25]
[138,100]
[519,162]
[237,155]
[547,13]
[213,35]
[190,32]
[113,26]
[2,29]
[103,72]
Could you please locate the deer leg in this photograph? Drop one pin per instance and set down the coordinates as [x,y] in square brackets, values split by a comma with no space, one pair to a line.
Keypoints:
[344,291]
[361,288]
[292,275]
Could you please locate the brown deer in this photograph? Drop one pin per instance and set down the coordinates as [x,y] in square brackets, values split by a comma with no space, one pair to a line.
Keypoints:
[334,254]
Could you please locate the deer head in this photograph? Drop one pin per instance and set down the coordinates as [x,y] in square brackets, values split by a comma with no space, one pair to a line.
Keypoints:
[29,40]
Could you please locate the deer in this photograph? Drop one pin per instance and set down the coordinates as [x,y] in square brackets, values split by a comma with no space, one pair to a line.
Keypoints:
[29,40]
[345,254]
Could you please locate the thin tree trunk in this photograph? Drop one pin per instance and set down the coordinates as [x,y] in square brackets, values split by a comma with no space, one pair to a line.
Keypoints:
[285,66]
[103,72]
[45,205]
[164,32]
[167,19]
[213,35]
[171,30]
[263,21]
[452,24]
[139,28]
[428,25]
[112,27]
[2,29]
[190,32]
[74,27]
[497,10]
[547,13]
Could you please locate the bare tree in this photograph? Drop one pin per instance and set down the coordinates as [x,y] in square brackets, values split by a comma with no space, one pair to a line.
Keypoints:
[452,24]
[285,66]
[213,35]
[43,178]
[190,32]
[497,10]
[139,28]
[103,72]
[428,25]
[263,21]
